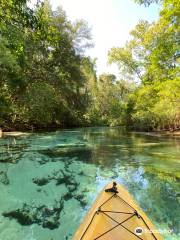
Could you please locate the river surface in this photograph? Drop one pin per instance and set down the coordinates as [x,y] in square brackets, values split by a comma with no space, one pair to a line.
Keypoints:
[48,181]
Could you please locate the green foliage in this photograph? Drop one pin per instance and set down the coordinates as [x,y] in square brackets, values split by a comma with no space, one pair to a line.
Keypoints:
[47,81]
[143,117]
[40,103]
[158,106]
[7,60]
[5,105]
[109,101]
[44,74]
[167,108]
[17,13]
[152,58]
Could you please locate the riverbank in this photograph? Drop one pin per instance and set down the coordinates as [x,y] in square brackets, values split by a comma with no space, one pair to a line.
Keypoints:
[171,133]
[176,133]
[153,133]
[14,134]
[161,133]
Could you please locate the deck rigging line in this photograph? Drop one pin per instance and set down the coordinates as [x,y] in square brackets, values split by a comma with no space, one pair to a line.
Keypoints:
[133,214]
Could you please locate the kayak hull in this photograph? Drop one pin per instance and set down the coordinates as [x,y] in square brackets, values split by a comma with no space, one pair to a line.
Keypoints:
[116,216]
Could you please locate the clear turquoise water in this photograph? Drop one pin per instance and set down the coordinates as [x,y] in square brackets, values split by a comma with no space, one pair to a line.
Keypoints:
[49,180]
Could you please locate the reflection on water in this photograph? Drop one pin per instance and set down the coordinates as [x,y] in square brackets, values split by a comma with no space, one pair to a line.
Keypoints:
[49,180]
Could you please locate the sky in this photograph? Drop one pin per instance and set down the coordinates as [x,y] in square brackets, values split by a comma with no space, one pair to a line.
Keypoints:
[110,20]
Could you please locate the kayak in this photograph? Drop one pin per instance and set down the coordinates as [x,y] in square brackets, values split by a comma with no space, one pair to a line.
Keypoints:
[116,216]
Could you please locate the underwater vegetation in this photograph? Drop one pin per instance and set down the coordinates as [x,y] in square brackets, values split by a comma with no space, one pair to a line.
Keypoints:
[56,176]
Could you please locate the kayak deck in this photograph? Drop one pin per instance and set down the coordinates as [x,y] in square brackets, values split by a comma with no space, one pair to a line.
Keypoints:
[116,216]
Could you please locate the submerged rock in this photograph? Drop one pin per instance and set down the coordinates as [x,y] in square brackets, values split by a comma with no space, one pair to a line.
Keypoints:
[41,181]
[61,177]
[12,152]
[41,215]
[10,158]
[82,153]
[81,199]
[69,178]
[4,178]
[22,216]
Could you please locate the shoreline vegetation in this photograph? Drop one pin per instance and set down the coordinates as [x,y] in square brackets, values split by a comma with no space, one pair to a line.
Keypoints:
[47,80]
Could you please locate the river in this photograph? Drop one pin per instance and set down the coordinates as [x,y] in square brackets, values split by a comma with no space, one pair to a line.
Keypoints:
[49,180]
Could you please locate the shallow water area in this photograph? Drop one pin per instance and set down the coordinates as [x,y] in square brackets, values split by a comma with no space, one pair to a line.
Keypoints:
[49,180]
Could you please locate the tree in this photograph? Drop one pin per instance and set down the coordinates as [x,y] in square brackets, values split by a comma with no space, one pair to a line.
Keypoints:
[44,73]
[17,12]
[40,102]
[152,56]
[109,101]
[131,59]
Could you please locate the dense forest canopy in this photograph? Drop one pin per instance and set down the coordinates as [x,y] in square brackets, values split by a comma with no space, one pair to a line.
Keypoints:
[48,81]
[153,56]
[44,74]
